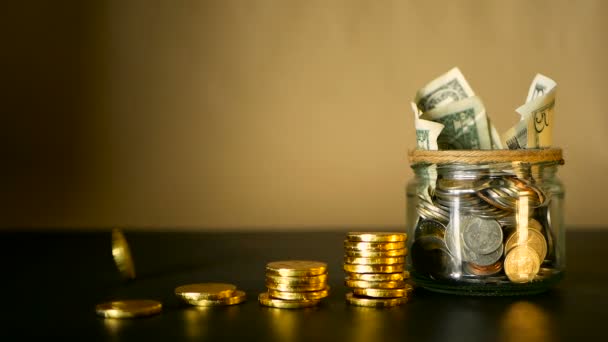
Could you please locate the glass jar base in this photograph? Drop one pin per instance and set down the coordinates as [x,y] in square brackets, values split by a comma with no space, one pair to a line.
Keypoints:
[487,288]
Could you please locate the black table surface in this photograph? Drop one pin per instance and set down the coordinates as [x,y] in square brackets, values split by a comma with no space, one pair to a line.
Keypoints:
[53,280]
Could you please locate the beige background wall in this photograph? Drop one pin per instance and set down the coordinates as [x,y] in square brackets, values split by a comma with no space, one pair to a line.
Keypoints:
[250,114]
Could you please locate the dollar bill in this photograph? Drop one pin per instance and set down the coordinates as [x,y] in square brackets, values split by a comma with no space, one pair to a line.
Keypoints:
[447,88]
[494,136]
[465,125]
[535,129]
[427,131]
[540,86]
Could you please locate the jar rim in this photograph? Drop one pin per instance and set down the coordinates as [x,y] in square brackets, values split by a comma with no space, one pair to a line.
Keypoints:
[542,155]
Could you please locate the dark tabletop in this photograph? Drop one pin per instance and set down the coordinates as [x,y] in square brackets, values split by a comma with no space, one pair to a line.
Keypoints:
[52,281]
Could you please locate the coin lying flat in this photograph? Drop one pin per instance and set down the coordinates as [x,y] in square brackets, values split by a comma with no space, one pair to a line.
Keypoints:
[374,261]
[376,236]
[399,276]
[236,298]
[296,268]
[374,268]
[299,296]
[292,288]
[375,302]
[521,264]
[129,308]
[375,246]
[297,281]
[375,254]
[362,284]
[122,254]
[207,291]
[265,299]
[384,293]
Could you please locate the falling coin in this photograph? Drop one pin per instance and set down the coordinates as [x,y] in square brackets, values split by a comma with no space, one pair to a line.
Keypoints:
[122,254]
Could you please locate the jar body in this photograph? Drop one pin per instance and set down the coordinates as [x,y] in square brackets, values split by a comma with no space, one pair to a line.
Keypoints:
[486,229]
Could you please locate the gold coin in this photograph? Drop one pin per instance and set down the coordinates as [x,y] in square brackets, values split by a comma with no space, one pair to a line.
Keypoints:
[296,268]
[292,288]
[373,246]
[122,254]
[297,281]
[265,299]
[376,236]
[208,291]
[535,240]
[521,264]
[375,302]
[534,224]
[236,298]
[129,308]
[312,295]
[362,284]
[376,254]
[374,268]
[384,293]
[374,261]
[379,276]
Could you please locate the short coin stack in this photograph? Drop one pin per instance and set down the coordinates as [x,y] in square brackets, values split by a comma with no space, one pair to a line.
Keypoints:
[375,269]
[295,284]
[210,294]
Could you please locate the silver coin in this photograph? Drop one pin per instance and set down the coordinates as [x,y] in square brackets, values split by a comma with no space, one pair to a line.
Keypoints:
[481,236]
[482,259]
[429,227]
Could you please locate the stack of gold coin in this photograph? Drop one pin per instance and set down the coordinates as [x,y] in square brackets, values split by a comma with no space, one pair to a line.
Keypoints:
[375,269]
[295,284]
[210,294]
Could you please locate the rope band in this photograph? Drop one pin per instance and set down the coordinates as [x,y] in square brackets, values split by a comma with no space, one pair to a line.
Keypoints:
[486,156]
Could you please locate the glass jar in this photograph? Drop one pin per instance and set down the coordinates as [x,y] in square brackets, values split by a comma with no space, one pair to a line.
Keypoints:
[490,228]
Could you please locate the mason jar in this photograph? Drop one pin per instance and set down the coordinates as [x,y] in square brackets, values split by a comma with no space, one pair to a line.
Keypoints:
[486,223]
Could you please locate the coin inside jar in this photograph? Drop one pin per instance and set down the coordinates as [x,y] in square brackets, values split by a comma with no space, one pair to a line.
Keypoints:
[534,240]
[482,236]
[521,264]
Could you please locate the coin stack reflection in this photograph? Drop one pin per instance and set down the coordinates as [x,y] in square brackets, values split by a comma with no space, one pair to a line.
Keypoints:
[295,284]
[375,269]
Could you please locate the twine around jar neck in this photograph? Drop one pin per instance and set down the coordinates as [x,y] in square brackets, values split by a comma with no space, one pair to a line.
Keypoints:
[546,155]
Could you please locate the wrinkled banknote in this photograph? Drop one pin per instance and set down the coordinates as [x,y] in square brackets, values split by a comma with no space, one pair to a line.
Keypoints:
[427,131]
[466,125]
[535,129]
[447,88]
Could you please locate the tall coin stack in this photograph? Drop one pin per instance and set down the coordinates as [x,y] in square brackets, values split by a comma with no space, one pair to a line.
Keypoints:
[375,269]
[295,284]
